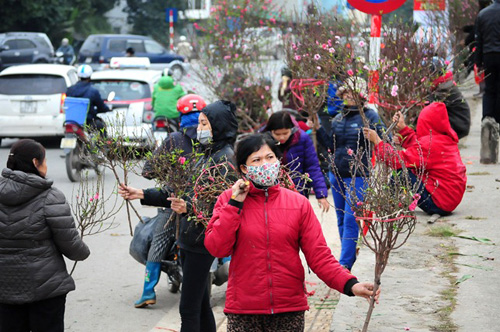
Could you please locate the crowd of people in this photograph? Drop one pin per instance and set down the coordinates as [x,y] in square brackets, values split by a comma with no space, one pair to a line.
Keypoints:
[256,222]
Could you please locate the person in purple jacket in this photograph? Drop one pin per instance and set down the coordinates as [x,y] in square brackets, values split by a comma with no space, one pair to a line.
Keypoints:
[298,153]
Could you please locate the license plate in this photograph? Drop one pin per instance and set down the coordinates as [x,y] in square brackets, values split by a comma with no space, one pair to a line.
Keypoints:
[28,107]
[88,60]
[68,143]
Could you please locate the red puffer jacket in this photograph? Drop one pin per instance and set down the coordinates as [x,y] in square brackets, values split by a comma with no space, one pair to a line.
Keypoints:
[435,147]
[264,237]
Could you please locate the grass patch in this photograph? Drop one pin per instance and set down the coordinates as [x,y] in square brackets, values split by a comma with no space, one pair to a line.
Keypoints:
[480,173]
[474,218]
[449,294]
[442,231]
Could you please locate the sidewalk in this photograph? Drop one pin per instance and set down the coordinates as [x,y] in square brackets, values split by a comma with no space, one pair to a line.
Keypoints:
[419,285]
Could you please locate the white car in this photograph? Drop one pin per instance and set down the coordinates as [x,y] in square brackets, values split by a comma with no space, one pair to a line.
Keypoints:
[32,98]
[132,113]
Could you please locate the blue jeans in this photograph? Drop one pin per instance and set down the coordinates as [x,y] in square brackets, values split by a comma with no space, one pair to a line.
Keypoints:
[348,227]
[425,202]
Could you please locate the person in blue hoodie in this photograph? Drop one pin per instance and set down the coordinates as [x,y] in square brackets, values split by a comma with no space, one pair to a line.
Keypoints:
[345,140]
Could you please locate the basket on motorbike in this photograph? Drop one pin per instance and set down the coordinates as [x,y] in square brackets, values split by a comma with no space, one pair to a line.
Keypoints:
[76,110]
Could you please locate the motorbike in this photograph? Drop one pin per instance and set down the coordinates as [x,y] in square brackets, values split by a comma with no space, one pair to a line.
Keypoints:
[162,127]
[219,272]
[76,142]
[60,59]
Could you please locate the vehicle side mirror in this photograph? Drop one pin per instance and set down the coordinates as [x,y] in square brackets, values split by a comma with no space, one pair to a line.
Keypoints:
[4,48]
[111,96]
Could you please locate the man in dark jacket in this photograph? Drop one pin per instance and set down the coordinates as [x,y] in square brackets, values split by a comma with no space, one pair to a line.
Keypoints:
[83,89]
[488,57]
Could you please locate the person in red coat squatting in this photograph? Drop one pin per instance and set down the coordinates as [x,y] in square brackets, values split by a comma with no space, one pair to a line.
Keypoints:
[263,226]
[435,146]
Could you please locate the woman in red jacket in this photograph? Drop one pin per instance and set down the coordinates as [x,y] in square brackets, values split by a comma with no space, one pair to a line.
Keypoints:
[263,226]
[433,148]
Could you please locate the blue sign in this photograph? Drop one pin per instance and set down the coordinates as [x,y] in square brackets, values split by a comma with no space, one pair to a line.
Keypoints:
[175,14]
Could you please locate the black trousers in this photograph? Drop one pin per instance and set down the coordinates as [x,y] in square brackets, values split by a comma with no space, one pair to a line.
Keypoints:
[195,310]
[491,98]
[41,316]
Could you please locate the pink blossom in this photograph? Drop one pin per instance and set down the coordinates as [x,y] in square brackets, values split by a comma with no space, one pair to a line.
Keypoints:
[413,206]
[294,47]
[298,57]
[407,328]
[365,67]
[236,55]
[182,160]
[324,46]
[317,57]
[361,43]
[91,199]
[266,87]
[264,7]
[272,20]
[394,90]
[318,68]
[96,197]
[329,42]
[447,62]
[188,75]
[331,50]
[350,72]
[350,152]
[395,69]
[319,23]
[227,57]
[359,203]
[219,74]
[261,96]
[196,26]
[200,215]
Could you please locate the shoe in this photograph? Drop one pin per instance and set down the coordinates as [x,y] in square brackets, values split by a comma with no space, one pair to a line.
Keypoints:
[151,278]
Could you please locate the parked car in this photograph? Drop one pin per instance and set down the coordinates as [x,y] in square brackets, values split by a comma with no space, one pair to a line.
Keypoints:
[17,48]
[97,51]
[32,98]
[132,114]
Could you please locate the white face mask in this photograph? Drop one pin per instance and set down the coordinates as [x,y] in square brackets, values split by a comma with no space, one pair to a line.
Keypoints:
[204,136]
[265,175]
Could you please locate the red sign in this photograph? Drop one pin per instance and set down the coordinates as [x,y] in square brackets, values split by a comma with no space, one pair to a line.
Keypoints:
[376,7]
[430,5]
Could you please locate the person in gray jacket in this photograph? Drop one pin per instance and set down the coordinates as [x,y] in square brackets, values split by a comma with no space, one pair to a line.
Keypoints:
[36,230]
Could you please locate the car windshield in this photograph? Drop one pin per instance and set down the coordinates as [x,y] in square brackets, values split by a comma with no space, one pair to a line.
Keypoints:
[32,84]
[123,89]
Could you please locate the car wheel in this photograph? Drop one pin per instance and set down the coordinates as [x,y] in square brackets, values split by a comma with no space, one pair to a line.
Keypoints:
[177,72]
[41,61]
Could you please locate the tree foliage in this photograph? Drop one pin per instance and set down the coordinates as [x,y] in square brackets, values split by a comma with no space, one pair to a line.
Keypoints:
[56,18]
[148,17]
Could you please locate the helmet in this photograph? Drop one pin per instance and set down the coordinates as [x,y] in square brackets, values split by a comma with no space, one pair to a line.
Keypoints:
[84,71]
[190,103]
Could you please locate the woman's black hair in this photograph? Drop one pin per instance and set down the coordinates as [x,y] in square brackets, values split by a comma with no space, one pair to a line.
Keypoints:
[22,153]
[279,120]
[251,144]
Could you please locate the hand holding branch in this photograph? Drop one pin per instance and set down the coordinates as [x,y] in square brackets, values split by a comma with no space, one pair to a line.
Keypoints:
[130,193]
[178,205]
[240,190]
[372,136]
[400,120]
[365,289]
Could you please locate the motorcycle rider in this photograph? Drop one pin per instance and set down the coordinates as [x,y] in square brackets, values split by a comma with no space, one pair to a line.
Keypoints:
[189,107]
[83,89]
[67,50]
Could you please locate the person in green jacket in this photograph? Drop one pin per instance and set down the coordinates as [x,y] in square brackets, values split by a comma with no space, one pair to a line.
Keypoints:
[165,96]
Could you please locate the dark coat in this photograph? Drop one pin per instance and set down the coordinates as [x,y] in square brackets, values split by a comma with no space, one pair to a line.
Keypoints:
[221,115]
[456,105]
[84,89]
[36,230]
[487,32]
[347,134]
